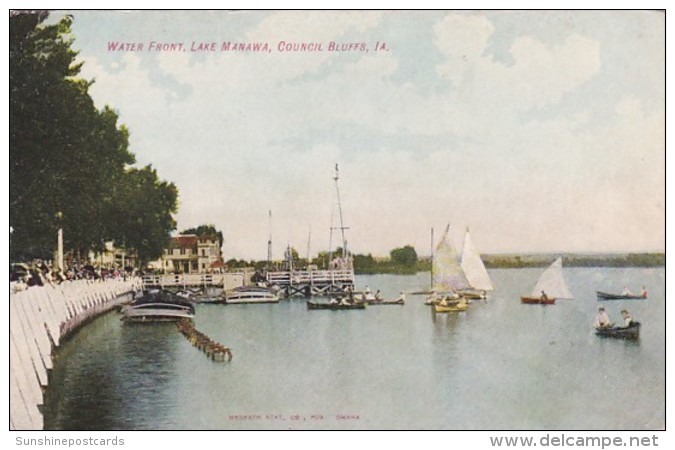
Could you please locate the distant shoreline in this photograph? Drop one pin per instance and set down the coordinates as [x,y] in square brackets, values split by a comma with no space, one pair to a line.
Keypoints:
[522,261]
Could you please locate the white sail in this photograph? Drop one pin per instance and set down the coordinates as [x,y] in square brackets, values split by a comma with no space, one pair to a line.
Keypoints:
[447,272]
[473,266]
[552,282]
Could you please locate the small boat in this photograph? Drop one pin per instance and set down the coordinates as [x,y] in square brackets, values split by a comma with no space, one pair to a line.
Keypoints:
[474,270]
[447,276]
[445,307]
[606,296]
[631,332]
[335,306]
[370,299]
[552,284]
[251,294]
[374,302]
[158,306]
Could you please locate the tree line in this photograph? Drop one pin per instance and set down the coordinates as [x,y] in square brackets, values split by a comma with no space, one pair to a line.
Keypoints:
[70,164]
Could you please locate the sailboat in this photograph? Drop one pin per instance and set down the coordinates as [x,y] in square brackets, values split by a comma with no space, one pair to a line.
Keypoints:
[550,286]
[447,278]
[474,270]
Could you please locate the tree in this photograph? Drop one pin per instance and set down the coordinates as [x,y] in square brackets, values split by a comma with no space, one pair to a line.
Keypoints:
[64,153]
[69,161]
[206,230]
[406,256]
[141,212]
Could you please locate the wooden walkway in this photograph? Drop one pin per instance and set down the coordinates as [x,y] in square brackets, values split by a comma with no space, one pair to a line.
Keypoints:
[312,282]
[39,320]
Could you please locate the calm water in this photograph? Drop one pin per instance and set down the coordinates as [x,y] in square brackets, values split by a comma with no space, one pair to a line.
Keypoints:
[500,365]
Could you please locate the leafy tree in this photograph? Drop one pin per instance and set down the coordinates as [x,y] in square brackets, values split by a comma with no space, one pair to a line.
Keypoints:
[68,160]
[141,212]
[64,153]
[205,230]
[406,256]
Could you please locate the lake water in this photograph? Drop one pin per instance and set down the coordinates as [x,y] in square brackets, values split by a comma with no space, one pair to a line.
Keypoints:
[499,366]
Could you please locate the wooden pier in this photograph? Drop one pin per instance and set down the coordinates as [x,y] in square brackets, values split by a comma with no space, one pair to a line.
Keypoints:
[41,317]
[309,283]
[212,349]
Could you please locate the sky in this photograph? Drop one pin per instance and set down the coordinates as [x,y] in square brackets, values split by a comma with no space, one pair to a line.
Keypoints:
[540,131]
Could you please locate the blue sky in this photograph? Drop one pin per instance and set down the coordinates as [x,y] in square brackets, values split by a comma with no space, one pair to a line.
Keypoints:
[539,130]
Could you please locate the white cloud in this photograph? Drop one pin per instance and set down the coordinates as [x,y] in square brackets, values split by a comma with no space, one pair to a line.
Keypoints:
[262,131]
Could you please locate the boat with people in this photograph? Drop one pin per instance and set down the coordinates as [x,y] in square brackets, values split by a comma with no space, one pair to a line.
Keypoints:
[158,306]
[550,286]
[455,280]
[630,332]
[607,296]
[335,305]
[369,298]
[451,306]
[250,294]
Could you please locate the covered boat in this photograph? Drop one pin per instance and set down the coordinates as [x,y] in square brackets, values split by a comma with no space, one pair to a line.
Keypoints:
[550,286]
[158,306]
[251,294]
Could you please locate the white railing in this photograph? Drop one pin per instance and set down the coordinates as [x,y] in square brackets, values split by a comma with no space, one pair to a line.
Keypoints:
[310,277]
[225,280]
[39,317]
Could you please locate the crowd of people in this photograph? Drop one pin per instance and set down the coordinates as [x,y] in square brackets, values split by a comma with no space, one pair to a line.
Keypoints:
[40,273]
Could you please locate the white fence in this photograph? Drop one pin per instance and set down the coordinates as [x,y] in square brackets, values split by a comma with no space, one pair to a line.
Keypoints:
[228,280]
[311,277]
[39,318]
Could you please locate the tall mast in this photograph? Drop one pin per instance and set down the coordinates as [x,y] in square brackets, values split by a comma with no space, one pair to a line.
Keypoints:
[432,258]
[269,242]
[341,227]
[309,240]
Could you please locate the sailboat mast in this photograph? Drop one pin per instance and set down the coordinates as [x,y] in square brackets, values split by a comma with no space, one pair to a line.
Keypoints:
[431,284]
[269,242]
[309,240]
[342,227]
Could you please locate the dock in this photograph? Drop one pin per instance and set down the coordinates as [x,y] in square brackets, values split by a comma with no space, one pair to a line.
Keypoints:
[307,283]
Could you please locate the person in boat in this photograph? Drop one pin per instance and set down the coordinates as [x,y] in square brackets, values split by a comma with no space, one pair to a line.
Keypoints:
[345,301]
[543,297]
[401,297]
[602,319]
[626,291]
[643,292]
[367,291]
[627,318]
[378,296]
[334,301]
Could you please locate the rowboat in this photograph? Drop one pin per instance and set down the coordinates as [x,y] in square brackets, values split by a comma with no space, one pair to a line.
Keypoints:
[335,306]
[631,332]
[607,296]
[399,301]
[537,301]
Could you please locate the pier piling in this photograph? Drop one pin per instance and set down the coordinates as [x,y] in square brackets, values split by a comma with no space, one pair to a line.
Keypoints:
[213,350]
